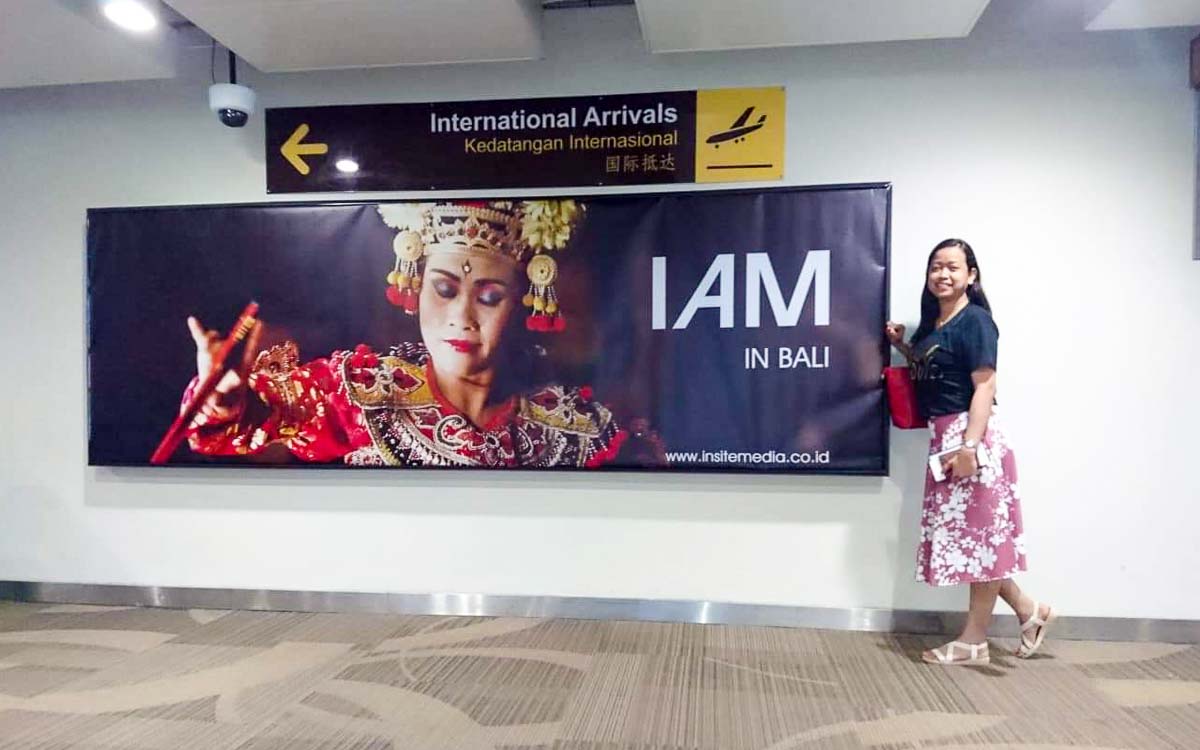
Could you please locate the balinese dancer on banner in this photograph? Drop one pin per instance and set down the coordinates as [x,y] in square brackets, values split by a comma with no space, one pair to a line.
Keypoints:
[454,399]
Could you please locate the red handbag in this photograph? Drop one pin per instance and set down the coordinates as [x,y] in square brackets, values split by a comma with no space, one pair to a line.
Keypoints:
[902,398]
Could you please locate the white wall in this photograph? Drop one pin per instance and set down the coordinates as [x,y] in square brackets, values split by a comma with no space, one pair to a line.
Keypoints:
[1068,163]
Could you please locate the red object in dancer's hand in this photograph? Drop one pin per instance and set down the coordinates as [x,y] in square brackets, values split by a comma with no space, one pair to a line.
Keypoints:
[244,325]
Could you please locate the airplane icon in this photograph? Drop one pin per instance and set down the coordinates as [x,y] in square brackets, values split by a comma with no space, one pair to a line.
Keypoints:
[738,130]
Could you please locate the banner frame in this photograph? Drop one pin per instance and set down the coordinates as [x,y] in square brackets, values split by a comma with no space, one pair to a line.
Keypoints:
[885,422]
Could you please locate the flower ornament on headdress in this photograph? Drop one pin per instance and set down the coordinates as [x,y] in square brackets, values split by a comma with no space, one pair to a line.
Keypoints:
[546,228]
[404,281]
[517,232]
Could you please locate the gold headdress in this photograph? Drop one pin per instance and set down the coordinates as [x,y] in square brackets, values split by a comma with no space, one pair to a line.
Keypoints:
[521,232]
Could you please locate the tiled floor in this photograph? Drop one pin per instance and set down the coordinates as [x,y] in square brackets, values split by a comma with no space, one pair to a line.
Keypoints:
[123,678]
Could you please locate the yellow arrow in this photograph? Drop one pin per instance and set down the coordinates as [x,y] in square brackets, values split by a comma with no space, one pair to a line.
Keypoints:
[292,149]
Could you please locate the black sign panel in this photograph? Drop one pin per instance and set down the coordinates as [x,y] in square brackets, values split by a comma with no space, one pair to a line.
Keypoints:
[590,140]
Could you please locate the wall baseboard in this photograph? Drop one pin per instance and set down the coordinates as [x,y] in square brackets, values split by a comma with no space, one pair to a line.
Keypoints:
[488,605]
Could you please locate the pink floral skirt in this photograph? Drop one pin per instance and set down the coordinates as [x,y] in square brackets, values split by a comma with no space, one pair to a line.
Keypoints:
[971,528]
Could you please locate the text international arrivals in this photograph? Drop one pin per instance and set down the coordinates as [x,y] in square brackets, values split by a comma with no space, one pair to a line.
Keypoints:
[519,119]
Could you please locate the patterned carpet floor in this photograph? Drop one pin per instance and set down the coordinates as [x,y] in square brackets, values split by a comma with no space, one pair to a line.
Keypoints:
[113,678]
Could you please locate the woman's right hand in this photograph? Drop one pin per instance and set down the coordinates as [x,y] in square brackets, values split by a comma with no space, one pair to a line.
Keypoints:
[894,333]
[231,384]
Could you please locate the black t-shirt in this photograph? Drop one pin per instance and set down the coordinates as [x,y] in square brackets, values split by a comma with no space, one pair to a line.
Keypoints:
[944,360]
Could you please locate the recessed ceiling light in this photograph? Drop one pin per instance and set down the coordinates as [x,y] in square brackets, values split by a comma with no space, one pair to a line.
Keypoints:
[130,14]
[347,166]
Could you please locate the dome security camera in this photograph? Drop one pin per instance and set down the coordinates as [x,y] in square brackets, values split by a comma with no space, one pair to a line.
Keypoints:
[232,102]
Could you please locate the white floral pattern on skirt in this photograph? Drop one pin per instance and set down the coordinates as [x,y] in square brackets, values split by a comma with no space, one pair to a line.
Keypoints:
[971,528]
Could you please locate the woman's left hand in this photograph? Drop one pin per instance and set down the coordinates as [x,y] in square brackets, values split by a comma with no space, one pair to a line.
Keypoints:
[961,465]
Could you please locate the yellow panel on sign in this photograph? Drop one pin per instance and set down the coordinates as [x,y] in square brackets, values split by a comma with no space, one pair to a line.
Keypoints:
[739,134]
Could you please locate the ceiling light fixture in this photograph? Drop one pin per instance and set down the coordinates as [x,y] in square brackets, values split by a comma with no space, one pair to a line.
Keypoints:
[347,166]
[130,15]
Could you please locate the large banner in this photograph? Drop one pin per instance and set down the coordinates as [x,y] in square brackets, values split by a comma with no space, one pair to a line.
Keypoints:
[719,331]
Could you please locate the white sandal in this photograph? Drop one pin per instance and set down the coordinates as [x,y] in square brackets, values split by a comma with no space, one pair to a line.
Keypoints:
[945,655]
[1031,643]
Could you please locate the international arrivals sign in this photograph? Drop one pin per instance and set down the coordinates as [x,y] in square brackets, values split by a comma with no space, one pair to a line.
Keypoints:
[714,135]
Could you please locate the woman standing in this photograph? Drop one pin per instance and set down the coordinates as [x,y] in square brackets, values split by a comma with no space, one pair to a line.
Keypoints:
[971,528]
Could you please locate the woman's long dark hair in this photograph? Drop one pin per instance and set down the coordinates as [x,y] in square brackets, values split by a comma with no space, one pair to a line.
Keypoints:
[929,304]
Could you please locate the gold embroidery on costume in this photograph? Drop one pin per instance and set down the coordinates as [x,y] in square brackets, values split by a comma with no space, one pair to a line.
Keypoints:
[394,383]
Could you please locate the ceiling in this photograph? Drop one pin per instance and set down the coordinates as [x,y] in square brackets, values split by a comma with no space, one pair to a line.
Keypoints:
[1140,14]
[278,36]
[694,25]
[35,34]
[48,42]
